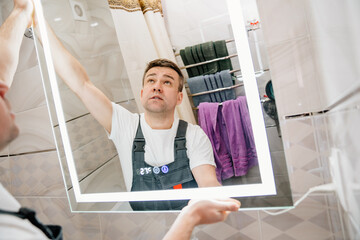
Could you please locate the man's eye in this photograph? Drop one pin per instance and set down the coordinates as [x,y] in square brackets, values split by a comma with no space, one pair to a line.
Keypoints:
[167,82]
[150,81]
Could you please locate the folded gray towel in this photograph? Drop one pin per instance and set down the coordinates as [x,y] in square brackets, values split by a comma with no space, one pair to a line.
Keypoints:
[209,87]
[224,79]
[220,84]
[201,57]
[209,53]
[196,85]
[190,58]
[221,51]
[215,86]
[186,62]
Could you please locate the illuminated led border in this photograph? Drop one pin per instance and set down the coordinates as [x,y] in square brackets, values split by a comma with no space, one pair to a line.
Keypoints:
[267,187]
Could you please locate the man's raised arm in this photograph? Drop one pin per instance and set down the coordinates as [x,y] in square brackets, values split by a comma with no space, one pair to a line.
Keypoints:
[11,36]
[74,75]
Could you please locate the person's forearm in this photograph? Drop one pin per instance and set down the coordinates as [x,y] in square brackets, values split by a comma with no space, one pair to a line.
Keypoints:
[74,75]
[11,36]
[205,176]
[183,226]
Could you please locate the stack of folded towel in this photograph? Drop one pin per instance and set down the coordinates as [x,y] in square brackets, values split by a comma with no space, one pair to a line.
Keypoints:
[204,52]
[211,82]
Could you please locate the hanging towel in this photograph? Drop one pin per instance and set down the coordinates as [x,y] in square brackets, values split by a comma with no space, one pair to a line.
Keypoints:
[201,58]
[221,51]
[196,85]
[238,126]
[190,58]
[224,79]
[185,61]
[249,136]
[211,121]
[197,60]
[209,53]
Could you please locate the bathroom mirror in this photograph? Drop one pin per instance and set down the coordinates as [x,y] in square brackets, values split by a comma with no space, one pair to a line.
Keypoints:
[114,54]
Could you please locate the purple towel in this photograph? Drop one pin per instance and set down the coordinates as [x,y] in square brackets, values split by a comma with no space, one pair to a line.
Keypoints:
[211,121]
[241,139]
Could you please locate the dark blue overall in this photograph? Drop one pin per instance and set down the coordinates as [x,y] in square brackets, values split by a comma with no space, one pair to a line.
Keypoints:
[171,176]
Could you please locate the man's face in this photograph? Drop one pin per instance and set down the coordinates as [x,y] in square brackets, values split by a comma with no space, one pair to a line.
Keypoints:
[160,92]
[8,128]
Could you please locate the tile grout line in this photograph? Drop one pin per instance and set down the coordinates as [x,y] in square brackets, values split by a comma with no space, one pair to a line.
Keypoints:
[260,226]
[33,152]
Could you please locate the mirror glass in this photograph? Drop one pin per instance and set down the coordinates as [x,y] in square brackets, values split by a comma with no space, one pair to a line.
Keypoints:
[114,41]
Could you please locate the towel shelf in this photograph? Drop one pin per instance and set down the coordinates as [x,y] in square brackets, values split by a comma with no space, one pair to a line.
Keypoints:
[257,73]
[226,41]
[236,70]
[220,103]
[225,88]
[216,90]
[209,61]
[221,89]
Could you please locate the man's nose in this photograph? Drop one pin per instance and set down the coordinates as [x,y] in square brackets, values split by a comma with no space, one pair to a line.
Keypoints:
[157,87]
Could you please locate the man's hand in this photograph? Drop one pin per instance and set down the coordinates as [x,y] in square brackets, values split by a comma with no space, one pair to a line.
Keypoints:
[200,212]
[210,211]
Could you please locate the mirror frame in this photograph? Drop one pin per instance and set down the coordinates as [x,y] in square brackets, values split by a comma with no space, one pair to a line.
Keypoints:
[267,185]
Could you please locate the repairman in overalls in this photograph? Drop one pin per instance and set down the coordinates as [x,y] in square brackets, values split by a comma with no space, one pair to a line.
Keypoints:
[156,149]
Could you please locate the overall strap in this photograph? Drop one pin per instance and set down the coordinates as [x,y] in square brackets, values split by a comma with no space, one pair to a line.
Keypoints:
[139,140]
[29,214]
[181,160]
[138,152]
[180,140]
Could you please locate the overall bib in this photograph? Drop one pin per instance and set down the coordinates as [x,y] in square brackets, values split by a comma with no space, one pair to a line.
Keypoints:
[175,175]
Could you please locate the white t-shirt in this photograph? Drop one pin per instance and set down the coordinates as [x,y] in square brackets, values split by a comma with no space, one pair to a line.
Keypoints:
[12,227]
[159,148]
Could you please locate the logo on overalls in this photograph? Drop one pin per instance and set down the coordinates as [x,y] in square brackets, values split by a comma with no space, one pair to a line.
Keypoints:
[165,169]
[143,171]
[156,170]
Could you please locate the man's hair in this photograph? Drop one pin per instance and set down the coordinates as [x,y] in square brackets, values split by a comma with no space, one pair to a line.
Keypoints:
[162,62]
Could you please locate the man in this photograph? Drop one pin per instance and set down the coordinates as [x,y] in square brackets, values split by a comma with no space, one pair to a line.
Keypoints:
[11,35]
[156,150]
[11,225]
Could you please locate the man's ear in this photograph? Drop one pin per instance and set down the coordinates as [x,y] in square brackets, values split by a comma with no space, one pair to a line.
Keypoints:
[179,98]
[3,88]
[141,92]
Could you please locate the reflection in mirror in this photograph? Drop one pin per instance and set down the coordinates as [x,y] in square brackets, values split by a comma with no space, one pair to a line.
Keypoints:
[114,47]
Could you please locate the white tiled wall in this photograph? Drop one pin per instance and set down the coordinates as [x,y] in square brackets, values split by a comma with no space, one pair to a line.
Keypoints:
[292,61]
[335,35]
[28,82]
[314,51]
[344,130]
[314,63]
[36,132]
[292,66]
